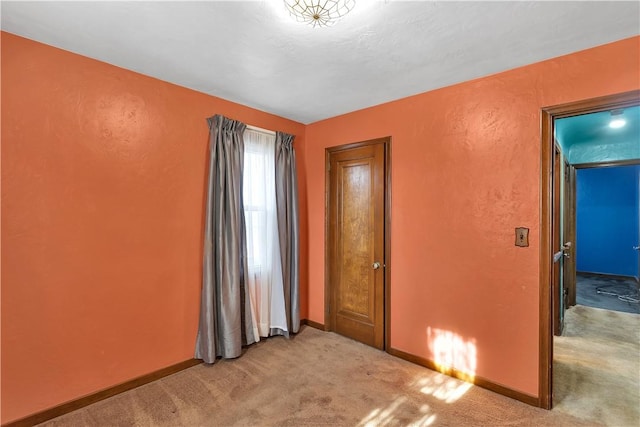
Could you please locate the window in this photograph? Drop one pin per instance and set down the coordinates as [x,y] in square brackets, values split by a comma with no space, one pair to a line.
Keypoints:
[263,245]
[259,197]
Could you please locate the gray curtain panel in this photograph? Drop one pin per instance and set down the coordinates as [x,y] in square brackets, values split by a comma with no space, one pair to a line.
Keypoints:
[225,318]
[288,230]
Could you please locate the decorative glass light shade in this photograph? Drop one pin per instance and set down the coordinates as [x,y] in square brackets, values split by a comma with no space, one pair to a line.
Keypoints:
[319,13]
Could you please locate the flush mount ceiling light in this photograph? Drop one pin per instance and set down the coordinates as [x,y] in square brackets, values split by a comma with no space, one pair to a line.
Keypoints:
[617,120]
[319,13]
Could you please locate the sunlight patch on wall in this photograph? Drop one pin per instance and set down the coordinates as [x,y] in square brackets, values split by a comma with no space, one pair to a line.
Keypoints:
[453,354]
[395,412]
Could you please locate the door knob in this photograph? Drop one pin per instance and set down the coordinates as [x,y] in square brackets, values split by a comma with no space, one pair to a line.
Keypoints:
[375,265]
[636,248]
[566,255]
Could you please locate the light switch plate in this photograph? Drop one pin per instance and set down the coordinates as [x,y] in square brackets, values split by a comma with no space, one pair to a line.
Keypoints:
[522,236]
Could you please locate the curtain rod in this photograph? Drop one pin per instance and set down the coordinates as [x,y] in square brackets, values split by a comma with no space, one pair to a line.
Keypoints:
[257,129]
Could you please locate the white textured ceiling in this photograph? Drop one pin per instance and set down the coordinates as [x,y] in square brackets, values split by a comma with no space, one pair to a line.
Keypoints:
[252,53]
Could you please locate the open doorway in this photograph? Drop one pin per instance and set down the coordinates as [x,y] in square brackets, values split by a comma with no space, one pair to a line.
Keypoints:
[607,235]
[600,208]
[556,252]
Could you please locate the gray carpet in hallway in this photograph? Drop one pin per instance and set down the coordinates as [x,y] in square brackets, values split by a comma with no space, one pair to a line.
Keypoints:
[597,366]
[587,295]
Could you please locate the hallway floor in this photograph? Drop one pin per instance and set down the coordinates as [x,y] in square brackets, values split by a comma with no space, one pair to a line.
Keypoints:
[586,293]
[596,363]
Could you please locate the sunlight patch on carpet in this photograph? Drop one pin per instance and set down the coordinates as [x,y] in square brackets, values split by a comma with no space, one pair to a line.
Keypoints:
[446,389]
[394,413]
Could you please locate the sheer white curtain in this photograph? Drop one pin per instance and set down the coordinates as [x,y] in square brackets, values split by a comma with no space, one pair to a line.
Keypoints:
[265,282]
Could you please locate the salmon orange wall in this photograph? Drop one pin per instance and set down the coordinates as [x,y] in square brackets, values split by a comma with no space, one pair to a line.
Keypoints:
[103,174]
[465,173]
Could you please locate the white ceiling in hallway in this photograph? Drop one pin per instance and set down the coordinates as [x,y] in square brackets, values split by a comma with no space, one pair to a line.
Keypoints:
[252,53]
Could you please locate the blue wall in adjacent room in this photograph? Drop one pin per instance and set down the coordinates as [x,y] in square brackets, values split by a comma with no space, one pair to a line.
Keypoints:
[607,212]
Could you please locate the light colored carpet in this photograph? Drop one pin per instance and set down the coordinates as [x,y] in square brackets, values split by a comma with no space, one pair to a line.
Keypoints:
[316,378]
[596,370]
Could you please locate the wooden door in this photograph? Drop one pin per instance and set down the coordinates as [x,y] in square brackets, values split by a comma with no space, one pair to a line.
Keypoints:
[557,291]
[356,241]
